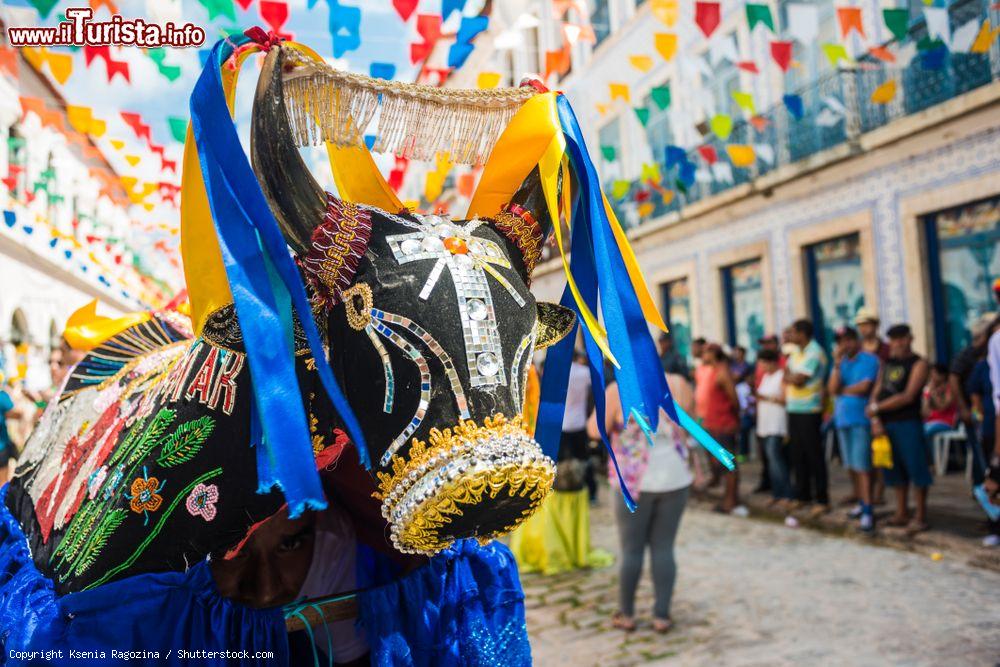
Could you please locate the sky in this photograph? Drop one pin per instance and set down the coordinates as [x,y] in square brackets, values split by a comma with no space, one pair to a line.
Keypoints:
[385,37]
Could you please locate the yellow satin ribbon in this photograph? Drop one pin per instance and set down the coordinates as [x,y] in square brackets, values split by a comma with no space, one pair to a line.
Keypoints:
[85,329]
[204,270]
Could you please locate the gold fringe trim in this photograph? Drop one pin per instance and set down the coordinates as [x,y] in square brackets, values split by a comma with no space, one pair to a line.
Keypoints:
[414,121]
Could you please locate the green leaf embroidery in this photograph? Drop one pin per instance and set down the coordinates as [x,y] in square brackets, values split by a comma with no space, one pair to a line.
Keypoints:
[109,524]
[163,419]
[186,441]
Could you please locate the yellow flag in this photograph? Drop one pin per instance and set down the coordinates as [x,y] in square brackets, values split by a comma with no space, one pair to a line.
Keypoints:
[744,101]
[651,172]
[620,91]
[740,154]
[118,144]
[646,209]
[668,196]
[128,181]
[61,66]
[835,53]
[641,62]
[984,39]
[884,93]
[97,127]
[666,10]
[79,118]
[666,44]
[488,80]
[620,188]
[132,159]
[602,108]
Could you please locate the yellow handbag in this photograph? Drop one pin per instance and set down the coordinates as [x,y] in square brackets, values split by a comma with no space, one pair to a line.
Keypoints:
[881,451]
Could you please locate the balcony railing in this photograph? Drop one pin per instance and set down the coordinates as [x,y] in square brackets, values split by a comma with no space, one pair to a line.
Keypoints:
[843,99]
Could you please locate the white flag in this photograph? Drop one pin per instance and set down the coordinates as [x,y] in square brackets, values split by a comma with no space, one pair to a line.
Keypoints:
[508,39]
[765,152]
[572,32]
[723,172]
[937,23]
[907,52]
[703,175]
[962,39]
[828,118]
[803,23]
[835,105]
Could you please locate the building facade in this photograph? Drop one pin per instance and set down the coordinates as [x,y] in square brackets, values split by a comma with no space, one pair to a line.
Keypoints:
[892,206]
[52,203]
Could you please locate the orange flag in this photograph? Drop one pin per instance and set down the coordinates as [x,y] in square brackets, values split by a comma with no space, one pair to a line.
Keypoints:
[850,19]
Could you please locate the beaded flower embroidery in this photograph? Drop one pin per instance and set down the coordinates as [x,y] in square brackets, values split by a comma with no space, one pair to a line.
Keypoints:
[145,495]
[201,501]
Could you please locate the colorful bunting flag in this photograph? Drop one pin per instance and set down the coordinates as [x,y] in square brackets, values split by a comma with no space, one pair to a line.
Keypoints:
[884,93]
[667,11]
[641,62]
[708,154]
[345,27]
[132,159]
[642,113]
[8,61]
[897,21]
[740,155]
[178,128]
[609,153]
[405,8]
[835,53]
[275,15]
[557,62]
[620,91]
[938,23]
[707,16]
[661,96]
[722,125]
[850,19]
[984,39]
[488,80]
[748,66]
[781,52]
[44,7]
[882,53]
[666,44]
[467,31]
[759,123]
[759,14]
[744,101]
[217,8]
[382,71]
[428,27]
[449,6]
[620,188]
[794,105]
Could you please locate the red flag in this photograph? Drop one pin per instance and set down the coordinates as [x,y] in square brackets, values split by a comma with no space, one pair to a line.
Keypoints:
[10,182]
[883,54]
[118,67]
[275,15]
[782,54]
[404,8]
[245,4]
[708,154]
[134,121]
[8,61]
[428,27]
[748,66]
[759,123]
[707,16]
[419,51]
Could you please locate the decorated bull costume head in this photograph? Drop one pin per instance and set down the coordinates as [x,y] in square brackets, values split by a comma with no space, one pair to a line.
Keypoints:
[399,338]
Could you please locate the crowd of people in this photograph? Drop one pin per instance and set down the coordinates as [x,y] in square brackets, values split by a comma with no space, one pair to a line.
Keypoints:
[874,395]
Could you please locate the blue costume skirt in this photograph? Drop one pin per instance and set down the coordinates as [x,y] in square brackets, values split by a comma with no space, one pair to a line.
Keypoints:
[465,607]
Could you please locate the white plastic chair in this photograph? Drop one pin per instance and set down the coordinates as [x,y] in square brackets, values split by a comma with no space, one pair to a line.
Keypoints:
[941,446]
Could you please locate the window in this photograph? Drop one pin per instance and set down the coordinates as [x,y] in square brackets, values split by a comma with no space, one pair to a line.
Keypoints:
[600,20]
[743,291]
[836,284]
[676,297]
[658,130]
[725,82]
[962,263]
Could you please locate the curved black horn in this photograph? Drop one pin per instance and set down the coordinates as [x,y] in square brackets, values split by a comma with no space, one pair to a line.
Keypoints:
[296,199]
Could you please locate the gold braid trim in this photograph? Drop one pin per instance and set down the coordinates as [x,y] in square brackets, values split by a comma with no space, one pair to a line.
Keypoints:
[519,226]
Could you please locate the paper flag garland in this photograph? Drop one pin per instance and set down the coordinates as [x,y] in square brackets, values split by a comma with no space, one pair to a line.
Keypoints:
[8,61]
[642,113]
[117,144]
[673,156]
[707,16]
[667,11]
[382,71]
[405,8]
[884,93]
[488,80]
[619,91]
[740,155]
[897,21]
[882,53]
[345,27]
[984,39]
[781,53]
[609,153]
[708,154]
[651,173]
[641,62]
[467,31]
[449,6]
[178,128]
[275,15]
[759,14]
[660,96]
[666,44]
[620,188]
[722,125]
[132,159]
[938,23]
[217,8]
[44,7]
[794,105]
[557,61]
[428,27]
[744,101]
[835,53]
[849,19]
[748,66]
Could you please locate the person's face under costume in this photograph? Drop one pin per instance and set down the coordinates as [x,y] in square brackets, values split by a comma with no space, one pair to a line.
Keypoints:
[272,566]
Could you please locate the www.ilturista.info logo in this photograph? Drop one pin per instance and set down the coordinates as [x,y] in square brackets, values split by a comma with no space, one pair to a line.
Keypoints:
[79,30]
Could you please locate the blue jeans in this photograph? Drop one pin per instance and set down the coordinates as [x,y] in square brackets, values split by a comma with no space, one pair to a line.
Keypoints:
[910,463]
[856,447]
[777,466]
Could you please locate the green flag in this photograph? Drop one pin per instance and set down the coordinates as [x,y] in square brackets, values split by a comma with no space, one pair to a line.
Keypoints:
[897,21]
[609,153]
[661,96]
[642,113]
[178,128]
[44,6]
[219,8]
[759,14]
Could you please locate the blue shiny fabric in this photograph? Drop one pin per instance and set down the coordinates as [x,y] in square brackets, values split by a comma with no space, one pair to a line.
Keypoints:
[465,607]
[160,612]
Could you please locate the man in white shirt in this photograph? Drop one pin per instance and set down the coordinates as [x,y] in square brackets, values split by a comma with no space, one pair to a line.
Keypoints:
[574,443]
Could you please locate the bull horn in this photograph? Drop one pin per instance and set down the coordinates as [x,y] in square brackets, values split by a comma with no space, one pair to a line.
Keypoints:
[295,198]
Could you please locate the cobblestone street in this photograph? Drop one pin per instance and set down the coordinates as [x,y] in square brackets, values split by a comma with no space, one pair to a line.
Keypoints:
[752,592]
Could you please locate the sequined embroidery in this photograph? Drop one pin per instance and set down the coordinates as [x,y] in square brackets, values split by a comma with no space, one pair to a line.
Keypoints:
[338,243]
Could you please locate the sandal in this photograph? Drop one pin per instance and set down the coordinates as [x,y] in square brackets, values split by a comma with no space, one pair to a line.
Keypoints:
[623,622]
[662,625]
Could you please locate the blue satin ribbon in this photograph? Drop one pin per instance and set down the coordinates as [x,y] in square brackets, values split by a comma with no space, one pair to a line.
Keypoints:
[252,244]
[602,278]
